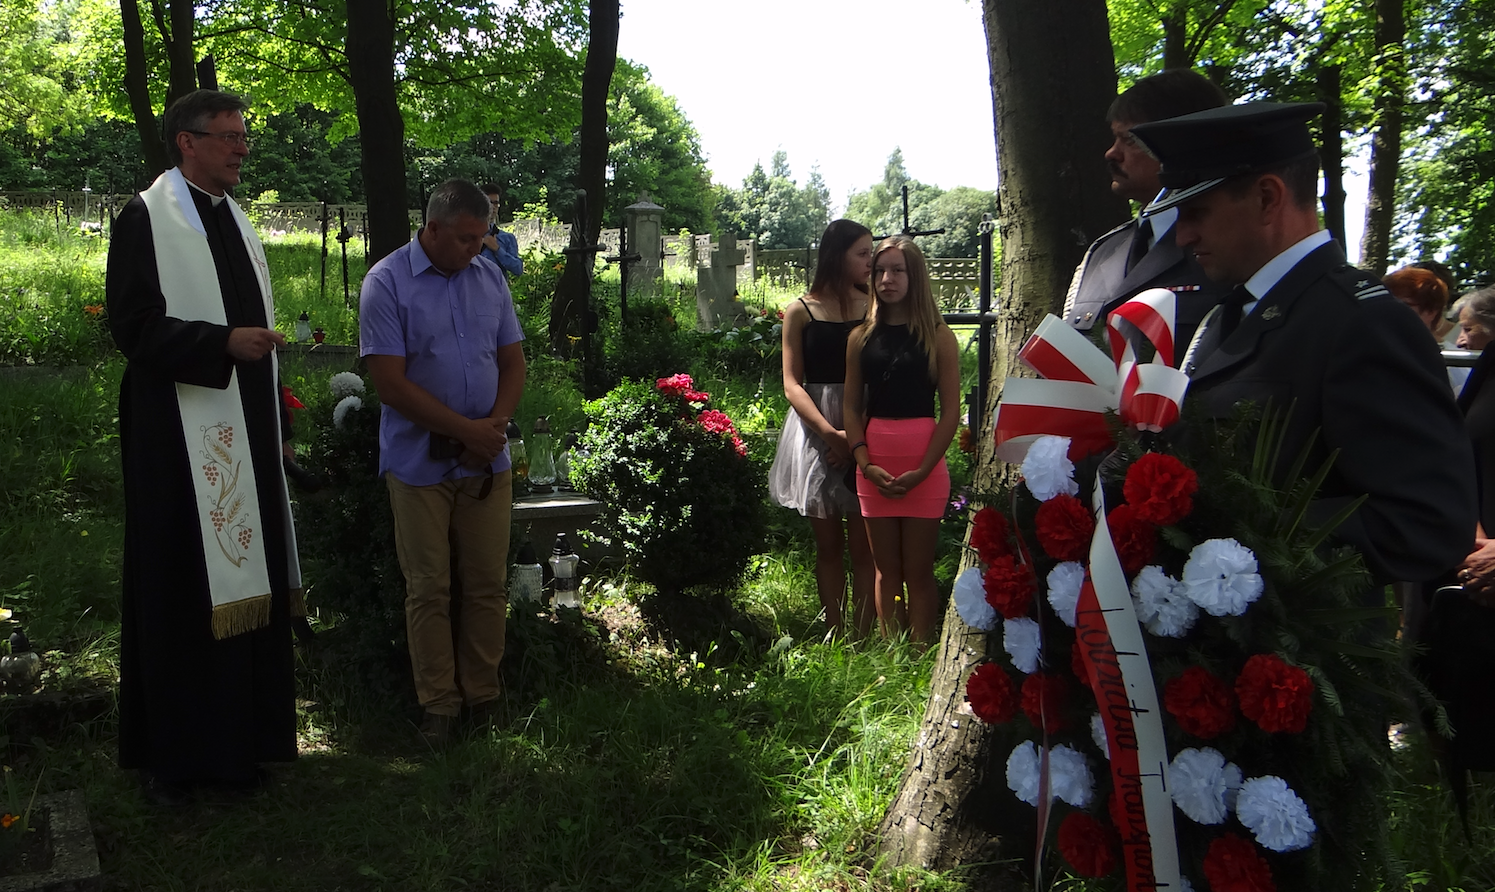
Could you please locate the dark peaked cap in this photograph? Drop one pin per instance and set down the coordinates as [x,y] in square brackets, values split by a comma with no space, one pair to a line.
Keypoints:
[1200,151]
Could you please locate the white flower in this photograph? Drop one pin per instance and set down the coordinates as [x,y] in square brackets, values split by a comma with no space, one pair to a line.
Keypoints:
[1064,584]
[970,600]
[1221,577]
[1020,640]
[1202,784]
[1162,606]
[1272,811]
[1098,734]
[1047,469]
[345,384]
[344,406]
[1022,772]
[1069,776]
[1184,885]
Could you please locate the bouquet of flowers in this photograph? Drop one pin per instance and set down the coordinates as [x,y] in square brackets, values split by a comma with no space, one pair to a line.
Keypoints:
[1194,682]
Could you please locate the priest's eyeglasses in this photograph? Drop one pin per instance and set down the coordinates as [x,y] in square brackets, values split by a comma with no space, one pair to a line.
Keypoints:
[234,140]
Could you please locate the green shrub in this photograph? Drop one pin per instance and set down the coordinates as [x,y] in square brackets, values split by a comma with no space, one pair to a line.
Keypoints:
[653,345]
[345,535]
[678,491]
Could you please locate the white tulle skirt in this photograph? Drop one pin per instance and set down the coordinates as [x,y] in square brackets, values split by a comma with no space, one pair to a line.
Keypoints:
[801,478]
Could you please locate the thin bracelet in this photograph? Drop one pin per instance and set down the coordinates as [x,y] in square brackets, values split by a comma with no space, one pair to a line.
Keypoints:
[857,445]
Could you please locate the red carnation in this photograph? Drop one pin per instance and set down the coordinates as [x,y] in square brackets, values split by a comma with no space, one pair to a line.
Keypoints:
[1274,695]
[1232,865]
[1200,703]
[1043,700]
[990,691]
[1009,587]
[989,535]
[1136,540]
[674,385]
[1160,488]
[1064,528]
[1088,845]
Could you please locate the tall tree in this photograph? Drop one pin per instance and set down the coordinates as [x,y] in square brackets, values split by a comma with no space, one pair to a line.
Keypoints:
[1052,78]
[774,209]
[371,72]
[1386,138]
[174,22]
[1447,197]
[880,207]
[568,311]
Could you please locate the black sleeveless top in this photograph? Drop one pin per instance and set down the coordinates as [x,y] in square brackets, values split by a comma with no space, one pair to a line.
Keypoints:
[825,349]
[895,369]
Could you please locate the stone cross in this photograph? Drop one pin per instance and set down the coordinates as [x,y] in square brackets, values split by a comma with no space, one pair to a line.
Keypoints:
[716,283]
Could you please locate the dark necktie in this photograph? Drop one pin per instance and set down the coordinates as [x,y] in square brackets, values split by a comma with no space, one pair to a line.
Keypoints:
[1141,241]
[1230,310]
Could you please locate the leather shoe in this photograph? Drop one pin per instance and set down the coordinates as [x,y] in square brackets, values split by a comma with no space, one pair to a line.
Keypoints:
[486,714]
[436,730]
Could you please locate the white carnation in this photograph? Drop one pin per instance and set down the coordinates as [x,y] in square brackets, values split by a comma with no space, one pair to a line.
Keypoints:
[1162,606]
[1022,772]
[1069,776]
[345,384]
[1221,577]
[1020,640]
[1184,885]
[970,600]
[1098,734]
[1203,783]
[1064,582]
[1272,811]
[344,406]
[1047,469]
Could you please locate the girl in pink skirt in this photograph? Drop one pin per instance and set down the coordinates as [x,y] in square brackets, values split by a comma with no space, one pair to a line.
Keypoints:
[896,363]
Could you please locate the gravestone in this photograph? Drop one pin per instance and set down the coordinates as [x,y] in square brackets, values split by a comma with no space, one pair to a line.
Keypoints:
[643,221]
[716,282]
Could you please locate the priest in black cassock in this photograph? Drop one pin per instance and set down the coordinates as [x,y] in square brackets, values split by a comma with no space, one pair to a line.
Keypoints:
[211,576]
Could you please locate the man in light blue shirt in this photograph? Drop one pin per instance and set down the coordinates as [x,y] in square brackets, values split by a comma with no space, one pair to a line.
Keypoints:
[443,345]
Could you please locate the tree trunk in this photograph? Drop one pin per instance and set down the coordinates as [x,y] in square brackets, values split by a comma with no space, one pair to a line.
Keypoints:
[183,66]
[568,310]
[1331,152]
[137,87]
[381,129]
[1052,77]
[1386,142]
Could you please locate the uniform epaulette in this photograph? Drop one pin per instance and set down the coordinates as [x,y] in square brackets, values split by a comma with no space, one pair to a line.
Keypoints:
[1359,283]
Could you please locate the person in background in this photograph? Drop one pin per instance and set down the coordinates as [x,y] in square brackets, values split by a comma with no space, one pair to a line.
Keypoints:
[211,578]
[897,363]
[499,245]
[1142,253]
[444,349]
[811,470]
[1420,290]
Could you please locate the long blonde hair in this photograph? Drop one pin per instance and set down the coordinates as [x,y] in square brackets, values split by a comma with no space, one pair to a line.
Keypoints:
[924,319]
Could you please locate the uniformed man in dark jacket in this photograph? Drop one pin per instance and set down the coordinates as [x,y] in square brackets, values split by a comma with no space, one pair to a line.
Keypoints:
[1142,253]
[1306,333]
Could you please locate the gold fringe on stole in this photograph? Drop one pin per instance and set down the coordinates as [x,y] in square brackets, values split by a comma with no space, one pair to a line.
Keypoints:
[241,616]
[298,602]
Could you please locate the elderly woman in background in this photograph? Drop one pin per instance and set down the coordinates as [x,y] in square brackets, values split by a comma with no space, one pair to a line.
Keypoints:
[1458,629]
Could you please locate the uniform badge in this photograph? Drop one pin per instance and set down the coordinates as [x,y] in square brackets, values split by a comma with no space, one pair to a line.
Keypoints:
[1270,313]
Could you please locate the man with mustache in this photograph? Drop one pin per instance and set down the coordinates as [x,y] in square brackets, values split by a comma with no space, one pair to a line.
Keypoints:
[1141,253]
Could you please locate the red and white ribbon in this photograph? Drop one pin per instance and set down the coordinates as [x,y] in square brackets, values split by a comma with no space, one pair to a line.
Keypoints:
[1115,657]
[1080,384]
